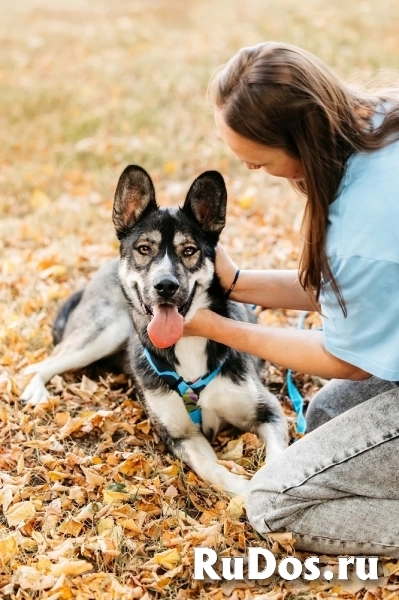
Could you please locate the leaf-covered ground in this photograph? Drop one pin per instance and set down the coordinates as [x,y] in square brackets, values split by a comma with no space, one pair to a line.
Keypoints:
[92,504]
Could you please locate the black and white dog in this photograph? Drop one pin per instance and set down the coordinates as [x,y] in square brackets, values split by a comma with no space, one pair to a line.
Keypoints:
[139,304]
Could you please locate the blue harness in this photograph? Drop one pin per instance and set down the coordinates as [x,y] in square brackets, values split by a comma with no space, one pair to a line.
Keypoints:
[188,390]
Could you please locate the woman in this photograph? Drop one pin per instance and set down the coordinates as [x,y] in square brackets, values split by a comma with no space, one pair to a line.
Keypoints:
[280,109]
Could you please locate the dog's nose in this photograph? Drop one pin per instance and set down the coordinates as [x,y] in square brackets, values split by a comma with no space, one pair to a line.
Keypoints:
[166,286]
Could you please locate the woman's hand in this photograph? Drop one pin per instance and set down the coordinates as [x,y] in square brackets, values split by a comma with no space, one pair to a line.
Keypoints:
[226,268]
[198,326]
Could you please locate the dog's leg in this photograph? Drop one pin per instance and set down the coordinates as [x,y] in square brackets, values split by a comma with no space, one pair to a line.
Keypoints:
[170,417]
[77,350]
[275,436]
[211,423]
[199,455]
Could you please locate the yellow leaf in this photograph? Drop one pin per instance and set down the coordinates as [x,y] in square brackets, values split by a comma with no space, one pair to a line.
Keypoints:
[64,592]
[172,470]
[87,385]
[19,513]
[110,496]
[28,544]
[71,527]
[173,572]
[43,564]
[58,475]
[53,271]
[163,582]
[73,424]
[39,199]
[93,479]
[61,418]
[105,525]
[8,546]
[245,202]
[389,568]
[20,465]
[144,426]
[71,567]
[234,450]
[89,511]
[129,524]
[286,539]
[236,507]
[169,559]
[170,167]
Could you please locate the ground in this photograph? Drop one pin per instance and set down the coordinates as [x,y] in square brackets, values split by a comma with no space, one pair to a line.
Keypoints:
[92,505]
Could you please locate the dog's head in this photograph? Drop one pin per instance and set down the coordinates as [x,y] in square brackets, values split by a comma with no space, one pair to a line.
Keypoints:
[167,255]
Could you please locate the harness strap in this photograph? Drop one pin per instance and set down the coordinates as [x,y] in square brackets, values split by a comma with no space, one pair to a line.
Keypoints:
[188,390]
[293,392]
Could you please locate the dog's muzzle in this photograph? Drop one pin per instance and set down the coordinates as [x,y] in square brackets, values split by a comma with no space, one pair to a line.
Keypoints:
[166,287]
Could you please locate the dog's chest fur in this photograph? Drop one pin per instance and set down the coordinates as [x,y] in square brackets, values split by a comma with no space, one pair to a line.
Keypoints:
[192,358]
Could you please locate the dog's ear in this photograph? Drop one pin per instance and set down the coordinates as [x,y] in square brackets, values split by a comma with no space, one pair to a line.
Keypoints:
[206,201]
[134,198]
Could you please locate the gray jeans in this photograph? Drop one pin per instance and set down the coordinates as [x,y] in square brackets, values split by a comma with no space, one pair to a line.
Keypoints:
[337,489]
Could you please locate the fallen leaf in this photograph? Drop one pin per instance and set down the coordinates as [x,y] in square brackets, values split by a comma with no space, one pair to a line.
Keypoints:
[236,507]
[71,567]
[8,546]
[169,559]
[18,514]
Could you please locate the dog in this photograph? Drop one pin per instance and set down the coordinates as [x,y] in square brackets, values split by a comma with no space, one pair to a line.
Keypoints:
[139,303]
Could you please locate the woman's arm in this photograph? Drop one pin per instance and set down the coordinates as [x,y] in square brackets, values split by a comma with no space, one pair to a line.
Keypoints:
[272,288]
[299,350]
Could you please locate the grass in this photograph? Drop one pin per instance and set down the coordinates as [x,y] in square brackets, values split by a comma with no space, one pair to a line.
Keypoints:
[86,88]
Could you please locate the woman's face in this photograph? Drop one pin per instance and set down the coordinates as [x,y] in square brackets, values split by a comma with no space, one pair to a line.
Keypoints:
[275,161]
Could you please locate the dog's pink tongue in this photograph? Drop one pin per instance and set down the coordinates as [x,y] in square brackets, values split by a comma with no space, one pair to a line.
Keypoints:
[166,326]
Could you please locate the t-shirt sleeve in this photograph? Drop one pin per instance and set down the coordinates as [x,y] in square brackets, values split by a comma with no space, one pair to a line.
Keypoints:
[368,337]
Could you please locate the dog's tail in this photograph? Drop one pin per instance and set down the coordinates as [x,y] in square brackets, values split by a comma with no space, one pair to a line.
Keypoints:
[63,315]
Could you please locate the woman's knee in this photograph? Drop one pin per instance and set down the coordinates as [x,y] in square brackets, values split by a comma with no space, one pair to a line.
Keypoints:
[263,490]
[318,412]
[340,395]
[324,406]
[329,402]
[259,507]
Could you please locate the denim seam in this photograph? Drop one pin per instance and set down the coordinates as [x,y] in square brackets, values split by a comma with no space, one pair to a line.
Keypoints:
[341,541]
[333,464]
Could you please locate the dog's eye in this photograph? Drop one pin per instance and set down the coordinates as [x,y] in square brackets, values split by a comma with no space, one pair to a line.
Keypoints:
[189,251]
[143,249]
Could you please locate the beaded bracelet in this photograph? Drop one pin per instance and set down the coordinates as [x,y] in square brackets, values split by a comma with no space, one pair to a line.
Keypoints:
[233,284]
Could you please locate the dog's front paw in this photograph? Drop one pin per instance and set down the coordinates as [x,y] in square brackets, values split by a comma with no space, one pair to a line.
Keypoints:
[35,392]
[31,369]
[236,485]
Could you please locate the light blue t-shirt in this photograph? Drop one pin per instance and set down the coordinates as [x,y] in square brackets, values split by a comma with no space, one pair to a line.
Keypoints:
[363,253]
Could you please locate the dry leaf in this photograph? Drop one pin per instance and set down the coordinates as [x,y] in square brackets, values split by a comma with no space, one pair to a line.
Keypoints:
[71,567]
[234,450]
[8,546]
[72,425]
[18,514]
[71,527]
[105,526]
[236,507]
[169,559]
[286,540]
[93,479]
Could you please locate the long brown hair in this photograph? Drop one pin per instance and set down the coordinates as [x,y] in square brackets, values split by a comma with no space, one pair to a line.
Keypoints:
[282,96]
